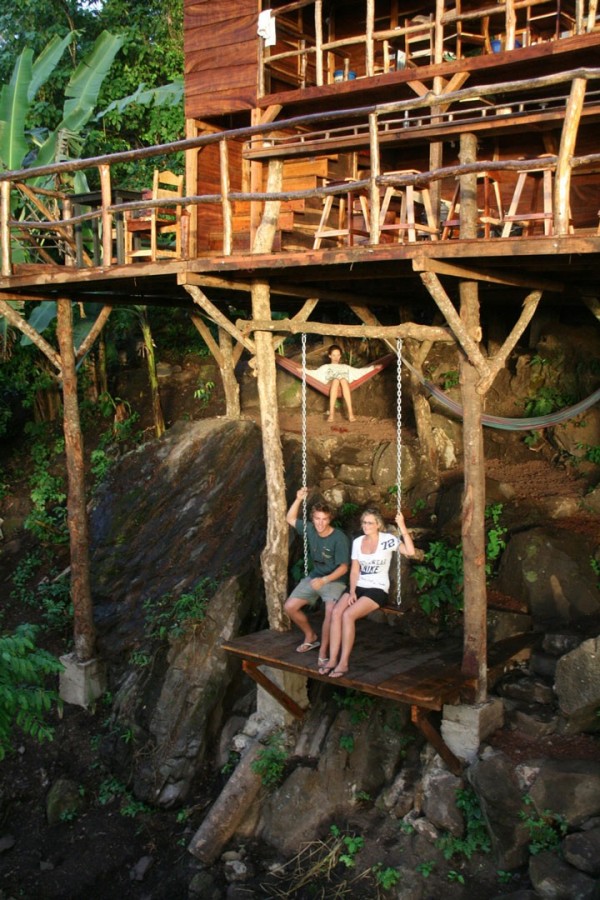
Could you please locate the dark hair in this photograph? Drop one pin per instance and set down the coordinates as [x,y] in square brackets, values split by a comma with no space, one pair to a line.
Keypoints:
[324,507]
[334,347]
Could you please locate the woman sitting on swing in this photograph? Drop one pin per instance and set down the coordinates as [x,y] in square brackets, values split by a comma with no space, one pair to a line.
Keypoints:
[369,585]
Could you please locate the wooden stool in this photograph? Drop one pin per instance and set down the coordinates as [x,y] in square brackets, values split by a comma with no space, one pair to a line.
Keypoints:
[530,215]
[484,215]
[405,222]
[352,217]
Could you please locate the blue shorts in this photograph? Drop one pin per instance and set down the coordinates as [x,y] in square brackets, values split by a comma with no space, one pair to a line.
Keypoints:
[333,590]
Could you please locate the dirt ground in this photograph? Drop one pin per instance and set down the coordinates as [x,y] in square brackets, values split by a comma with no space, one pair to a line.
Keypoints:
[111,850]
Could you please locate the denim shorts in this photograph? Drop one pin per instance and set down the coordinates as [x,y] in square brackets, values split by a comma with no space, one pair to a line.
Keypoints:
[333,590]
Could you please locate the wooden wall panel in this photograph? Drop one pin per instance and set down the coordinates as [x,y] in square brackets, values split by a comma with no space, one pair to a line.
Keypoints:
[221,46]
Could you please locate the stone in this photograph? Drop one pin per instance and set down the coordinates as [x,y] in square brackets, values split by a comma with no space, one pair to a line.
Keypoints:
[559,643]
[495,783]
[465,727]
[551,572]
[502,624]
[543,664]
[64,800]
[582,850]
[385,465]
[553,878]
[569,788]
[519,685]
[204,887]
[140,870]
[7,842]
[268,708]
[577,686]
[81,683]
[535,721]
[238,870]
[356,475]
[439,801]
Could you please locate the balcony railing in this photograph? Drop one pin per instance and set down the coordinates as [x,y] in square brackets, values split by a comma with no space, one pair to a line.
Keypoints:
[38,225]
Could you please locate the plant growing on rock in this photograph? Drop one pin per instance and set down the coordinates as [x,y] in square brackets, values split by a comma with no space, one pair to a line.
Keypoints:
[476,837]
[271,761]
[546,829]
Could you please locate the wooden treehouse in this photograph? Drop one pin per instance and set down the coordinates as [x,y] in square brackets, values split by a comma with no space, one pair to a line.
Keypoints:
[412,163]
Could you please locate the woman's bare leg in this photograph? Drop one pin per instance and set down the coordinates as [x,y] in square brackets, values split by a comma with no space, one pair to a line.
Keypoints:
[334,390]
[335,631]
[350,615]
[347,395]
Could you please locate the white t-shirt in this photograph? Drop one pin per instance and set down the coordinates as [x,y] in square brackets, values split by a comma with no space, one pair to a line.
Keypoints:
[330,371]
[375,567]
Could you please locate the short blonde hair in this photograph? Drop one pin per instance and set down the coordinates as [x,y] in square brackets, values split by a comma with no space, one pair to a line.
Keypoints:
[373,511]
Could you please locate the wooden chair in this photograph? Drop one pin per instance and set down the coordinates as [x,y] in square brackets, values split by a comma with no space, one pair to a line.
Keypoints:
[489,214]
[523,209]
[143,233]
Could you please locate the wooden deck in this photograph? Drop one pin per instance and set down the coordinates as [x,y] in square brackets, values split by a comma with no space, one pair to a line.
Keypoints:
[384,663]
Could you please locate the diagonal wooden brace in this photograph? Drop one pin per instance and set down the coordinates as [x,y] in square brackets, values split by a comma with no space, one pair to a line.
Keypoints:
[419,718]
[273,689]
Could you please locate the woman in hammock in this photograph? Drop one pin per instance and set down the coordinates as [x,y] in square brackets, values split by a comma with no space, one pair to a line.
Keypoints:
[369,585]
[339,375]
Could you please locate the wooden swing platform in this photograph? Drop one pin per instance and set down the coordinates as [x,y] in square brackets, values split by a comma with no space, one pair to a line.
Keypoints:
[426,675]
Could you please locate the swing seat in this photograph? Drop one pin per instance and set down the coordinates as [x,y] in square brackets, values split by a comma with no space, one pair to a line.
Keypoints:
[294,368]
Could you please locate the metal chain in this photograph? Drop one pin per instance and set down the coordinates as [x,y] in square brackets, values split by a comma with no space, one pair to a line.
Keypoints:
[304,465]
[399,462]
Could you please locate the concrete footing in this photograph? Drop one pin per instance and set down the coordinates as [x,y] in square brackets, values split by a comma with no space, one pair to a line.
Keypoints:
[465,727]
[81,683]
[293,685]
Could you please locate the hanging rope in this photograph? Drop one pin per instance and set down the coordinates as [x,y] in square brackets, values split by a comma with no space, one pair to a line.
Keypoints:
[399,462]
[304,466]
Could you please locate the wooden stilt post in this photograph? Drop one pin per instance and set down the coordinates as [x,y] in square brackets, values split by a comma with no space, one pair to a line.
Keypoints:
[474,664]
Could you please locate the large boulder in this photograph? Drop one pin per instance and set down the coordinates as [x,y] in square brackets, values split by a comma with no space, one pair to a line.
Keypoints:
[495,782]
[577,684]
[550,570]
[568,788]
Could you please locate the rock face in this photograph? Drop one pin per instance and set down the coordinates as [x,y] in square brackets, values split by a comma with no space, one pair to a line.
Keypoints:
[577,685]
[552,572]
[158,531]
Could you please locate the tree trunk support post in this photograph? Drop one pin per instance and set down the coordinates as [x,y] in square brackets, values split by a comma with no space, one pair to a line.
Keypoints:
[474,664]
[84,630]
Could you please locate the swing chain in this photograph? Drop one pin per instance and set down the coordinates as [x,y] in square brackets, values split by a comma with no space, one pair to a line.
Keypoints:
[399,462]
[304,464]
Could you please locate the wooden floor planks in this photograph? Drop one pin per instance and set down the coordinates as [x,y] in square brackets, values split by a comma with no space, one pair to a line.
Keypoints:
[384,663]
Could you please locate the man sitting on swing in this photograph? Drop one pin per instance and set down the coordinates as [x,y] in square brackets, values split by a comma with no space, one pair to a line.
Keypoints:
[330,554]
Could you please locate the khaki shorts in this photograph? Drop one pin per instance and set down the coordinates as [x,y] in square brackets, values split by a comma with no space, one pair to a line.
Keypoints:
[333,590]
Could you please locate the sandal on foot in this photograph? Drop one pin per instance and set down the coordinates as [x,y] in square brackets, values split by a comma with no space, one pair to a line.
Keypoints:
[325,670]
[308,645]
[337,673]
[322,661]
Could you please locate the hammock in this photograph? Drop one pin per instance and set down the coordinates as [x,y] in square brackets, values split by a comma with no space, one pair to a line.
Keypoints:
[316,378]
[506,423]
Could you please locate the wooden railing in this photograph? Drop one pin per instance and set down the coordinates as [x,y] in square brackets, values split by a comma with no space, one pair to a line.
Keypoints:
[309,54]
[53,217]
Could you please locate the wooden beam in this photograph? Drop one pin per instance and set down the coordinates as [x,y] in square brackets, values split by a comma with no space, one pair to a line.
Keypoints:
[273,689]
[200,298]
[470,346]
[406,330]
[486,275]
[568,139]
[530,304]
[419,718]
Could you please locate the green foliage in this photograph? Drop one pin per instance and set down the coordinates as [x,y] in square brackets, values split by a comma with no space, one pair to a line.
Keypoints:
[24,698]
[139,658]
[592,454]
[346,513]
[425,868]
[352,844]
[386,878]
[47,520]
[546,829]
[271,761]
[449,379]
[439,577]
[204,391]
[418,505]
[130,807]
[109,790]
[25,571]
[476,837]
[233,759]
[52,594]
[358,705]
[347,743]
[456,877]
[168,618]
[495,536]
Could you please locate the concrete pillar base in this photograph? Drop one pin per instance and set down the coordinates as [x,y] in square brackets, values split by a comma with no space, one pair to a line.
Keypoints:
[465,727]
[81,683]
[269,708]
